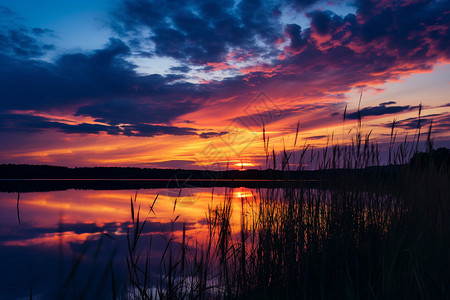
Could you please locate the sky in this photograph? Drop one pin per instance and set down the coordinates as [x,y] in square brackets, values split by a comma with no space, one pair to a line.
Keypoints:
[192,84]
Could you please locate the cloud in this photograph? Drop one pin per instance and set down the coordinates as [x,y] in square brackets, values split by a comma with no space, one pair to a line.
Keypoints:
[174,164]
[93,84]
[18,40]
[387,103]
[211,134]
[31,124]
[269,115]
[6,12]
[201,31]
[384,108]
[181,69]
[316,137]
[115,112]
[294,34]
[370,47]
[21,42]
[415,29]
[322,21]
[440,123]
[35,84]
[148,130]
[301,4]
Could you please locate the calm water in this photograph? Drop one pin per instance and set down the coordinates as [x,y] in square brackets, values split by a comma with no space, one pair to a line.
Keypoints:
[59,229]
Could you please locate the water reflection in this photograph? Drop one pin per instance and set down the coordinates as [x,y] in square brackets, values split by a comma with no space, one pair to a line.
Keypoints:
[55,226]
[69,239]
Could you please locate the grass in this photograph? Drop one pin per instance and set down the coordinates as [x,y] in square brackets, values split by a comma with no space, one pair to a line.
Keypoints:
[352,242]
[383,237]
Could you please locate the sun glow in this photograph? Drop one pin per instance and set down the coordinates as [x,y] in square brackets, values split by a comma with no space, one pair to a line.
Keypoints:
[243,165]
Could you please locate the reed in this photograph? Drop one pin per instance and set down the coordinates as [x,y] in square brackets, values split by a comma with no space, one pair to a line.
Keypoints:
[384,236]
[381,237]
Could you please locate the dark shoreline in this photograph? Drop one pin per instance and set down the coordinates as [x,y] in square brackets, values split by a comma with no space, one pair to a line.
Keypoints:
[32,178]
[9,171]
[46,185]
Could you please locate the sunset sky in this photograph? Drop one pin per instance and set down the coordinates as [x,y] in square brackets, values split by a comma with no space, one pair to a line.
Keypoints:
[189,84]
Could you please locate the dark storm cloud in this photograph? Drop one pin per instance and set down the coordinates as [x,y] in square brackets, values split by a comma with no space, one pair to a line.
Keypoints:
[384,108]
[202,31]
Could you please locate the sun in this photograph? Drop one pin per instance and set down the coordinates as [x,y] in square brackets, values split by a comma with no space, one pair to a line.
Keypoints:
[243,165]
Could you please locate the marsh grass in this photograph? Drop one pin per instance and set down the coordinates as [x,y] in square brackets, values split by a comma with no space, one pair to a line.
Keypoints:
[384,236]
[353,240]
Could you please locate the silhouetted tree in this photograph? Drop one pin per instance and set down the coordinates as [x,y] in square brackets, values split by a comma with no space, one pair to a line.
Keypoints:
[439,158]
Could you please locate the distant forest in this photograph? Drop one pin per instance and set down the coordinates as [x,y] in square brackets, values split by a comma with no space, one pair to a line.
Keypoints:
[438,158]
[10,171]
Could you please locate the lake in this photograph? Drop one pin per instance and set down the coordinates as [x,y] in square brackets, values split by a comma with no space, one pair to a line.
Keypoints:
[58,227]
[190,241]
